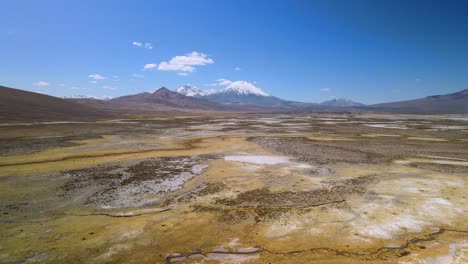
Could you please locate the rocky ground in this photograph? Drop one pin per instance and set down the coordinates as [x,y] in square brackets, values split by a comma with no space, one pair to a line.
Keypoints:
[236,189]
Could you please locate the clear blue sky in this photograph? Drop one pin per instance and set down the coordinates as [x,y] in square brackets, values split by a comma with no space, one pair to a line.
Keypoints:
[369,51]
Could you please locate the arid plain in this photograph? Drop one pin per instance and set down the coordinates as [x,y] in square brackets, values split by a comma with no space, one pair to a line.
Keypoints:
[315,188]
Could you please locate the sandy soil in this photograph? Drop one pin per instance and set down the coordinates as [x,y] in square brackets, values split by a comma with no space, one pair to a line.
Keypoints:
[236,189]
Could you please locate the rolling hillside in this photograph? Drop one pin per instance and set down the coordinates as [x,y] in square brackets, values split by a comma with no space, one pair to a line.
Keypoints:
[19,105]
[454,103]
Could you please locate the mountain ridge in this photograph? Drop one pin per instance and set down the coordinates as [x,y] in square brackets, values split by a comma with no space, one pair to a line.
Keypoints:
[23,105]
[341,102]
[244,93]
[164,96]
[16,104]
[452,103]
[192,90]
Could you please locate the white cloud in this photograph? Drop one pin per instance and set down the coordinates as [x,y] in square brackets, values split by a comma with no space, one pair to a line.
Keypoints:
[96,76]
[326,89]
[110,87]
[194,58]
[93,82]
[150,66]
[41,84]
[183,73]
[148,46]
[237,69]
[220,82]
[115,76]
[164,66]
[138,75]
[142,45]
[185,62]
[223,82]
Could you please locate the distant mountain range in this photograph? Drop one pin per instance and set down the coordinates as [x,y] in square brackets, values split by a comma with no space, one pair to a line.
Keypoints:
[341,103]
[80,96]
[191,90]
[244,96]
[162,100]
[237,97]
[454,103]
[164,96]
[237,93]
[245,93]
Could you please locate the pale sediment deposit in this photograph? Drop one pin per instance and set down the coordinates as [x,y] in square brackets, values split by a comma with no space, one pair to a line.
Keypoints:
[236,189]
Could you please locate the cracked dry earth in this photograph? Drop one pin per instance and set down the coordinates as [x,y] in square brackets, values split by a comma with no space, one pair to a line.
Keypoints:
[236,189]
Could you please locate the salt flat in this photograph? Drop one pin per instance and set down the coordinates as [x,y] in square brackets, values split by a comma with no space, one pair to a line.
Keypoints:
[236,189]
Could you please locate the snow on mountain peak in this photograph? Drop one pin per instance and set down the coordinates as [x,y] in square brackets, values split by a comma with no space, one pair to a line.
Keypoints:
[80,96]
[192,90]
[237,88]
[342,102]
[243,88]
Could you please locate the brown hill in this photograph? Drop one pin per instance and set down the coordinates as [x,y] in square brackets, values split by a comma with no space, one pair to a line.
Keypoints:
[19,105]
[454,103]
[167,98]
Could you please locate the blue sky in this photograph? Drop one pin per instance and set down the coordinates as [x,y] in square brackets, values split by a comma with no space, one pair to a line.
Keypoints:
[368,51]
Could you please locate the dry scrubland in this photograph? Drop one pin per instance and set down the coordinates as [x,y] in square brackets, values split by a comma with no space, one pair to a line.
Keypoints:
[236,189]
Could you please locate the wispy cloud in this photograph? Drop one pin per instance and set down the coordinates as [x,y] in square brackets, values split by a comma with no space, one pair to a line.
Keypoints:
[148,46]
[220,82]
[77,88]
[96,76]
[326,90]
[237,69]
[150,66]
[110,87]
[142,45]
[41,84]
[185,62]
[224,82]
[164,66]
[183,73]
[138,75]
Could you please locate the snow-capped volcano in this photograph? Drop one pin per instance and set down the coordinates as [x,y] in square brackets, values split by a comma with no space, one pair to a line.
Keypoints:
[236,93]
[243,88]
[240,88]
[245,93]
[192,90]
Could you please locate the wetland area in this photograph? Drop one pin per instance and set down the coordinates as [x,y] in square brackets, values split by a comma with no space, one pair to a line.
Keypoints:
[245,188]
